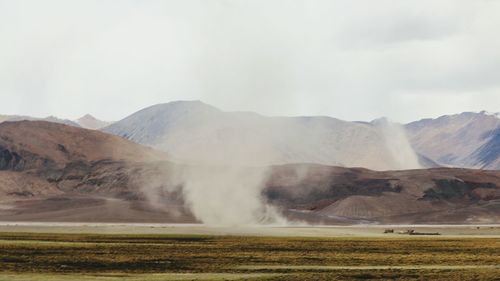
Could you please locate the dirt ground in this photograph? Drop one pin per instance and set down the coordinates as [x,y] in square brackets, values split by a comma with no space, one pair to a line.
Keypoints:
[287,231]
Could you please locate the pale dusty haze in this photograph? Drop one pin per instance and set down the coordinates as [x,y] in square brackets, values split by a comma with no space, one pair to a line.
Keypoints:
[354,60]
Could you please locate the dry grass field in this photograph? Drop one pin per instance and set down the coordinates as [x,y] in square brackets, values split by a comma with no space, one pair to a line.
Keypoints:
[30,256]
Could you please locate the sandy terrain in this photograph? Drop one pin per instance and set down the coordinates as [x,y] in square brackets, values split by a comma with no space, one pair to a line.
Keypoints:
[302,231]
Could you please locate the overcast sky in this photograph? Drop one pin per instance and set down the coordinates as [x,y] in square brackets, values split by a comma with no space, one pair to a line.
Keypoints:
[353,59]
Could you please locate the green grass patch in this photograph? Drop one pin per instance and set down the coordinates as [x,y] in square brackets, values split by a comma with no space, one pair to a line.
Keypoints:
[102,257]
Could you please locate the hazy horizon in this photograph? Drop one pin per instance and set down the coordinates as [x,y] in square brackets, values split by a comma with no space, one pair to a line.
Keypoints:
[256,112]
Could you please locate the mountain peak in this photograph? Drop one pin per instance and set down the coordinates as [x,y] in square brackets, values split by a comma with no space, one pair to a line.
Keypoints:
[187,104]
[87,116]
[492,114]
[380,121]
[90,122]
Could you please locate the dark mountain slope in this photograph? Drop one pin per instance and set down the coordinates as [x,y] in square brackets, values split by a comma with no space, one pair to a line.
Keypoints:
[468,140]
[439,195]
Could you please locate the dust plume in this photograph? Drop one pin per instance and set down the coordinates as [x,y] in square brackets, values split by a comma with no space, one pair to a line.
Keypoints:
[229,195]
[227,158]
[398,145]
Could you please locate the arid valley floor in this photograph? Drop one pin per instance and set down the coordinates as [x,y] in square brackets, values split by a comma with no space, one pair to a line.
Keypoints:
[76,251]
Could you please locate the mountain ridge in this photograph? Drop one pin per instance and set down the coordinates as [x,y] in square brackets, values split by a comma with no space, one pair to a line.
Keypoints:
[198,132]
[11,118]
[465,140]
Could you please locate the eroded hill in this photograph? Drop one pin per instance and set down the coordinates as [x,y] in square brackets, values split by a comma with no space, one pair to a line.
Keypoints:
[54,172]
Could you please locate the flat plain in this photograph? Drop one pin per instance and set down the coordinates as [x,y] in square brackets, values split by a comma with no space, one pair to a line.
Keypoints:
[27,254]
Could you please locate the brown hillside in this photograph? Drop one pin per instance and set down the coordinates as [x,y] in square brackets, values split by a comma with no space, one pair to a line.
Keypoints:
[54,172]
[63,144]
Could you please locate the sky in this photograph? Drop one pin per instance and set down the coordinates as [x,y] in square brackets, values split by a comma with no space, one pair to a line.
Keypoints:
[352,59]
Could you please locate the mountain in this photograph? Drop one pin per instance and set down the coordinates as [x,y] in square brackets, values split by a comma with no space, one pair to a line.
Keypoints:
[194,132]
[469,140]
[90,122]
[353,195]
[54,172]
[53,119]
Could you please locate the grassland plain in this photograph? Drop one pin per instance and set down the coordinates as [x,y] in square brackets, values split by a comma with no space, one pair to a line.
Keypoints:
[54,257]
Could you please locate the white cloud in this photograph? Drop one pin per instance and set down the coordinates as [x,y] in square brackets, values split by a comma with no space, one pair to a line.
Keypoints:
[355,60]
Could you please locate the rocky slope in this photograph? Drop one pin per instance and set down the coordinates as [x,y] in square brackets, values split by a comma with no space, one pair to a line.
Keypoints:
[195,132]
[469,140]
[50,171]
[442,195]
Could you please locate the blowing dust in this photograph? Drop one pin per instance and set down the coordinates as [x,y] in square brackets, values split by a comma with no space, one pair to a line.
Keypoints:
[230,192]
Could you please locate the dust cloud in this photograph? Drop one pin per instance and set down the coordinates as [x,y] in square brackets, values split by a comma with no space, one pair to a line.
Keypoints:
[223,176]
[398,145]
[228,195]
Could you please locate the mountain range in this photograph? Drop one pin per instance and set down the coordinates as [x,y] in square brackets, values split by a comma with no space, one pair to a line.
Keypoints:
[55,172]
[12,118]
[196,132]
[189,162]
[87,121]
